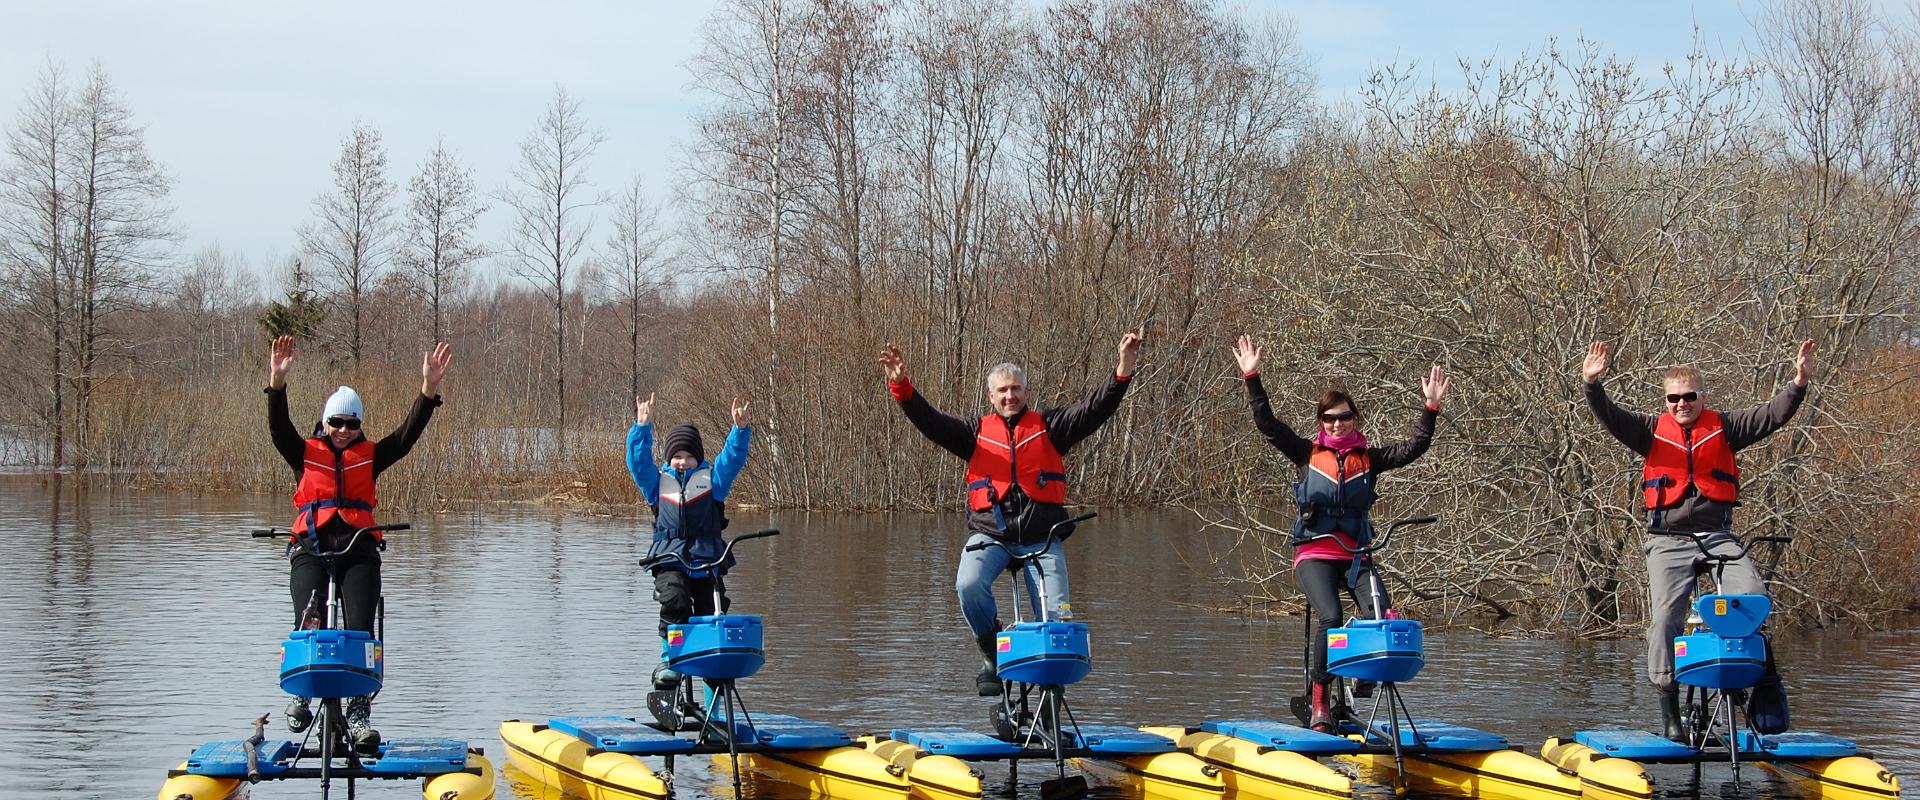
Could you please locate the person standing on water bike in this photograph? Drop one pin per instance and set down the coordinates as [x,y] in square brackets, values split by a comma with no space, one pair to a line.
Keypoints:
[1016,480]
[1690,482]
[688,497]
[1338,469]
[334,472]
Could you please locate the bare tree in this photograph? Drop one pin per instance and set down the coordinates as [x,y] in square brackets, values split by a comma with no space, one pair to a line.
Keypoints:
[33,188]
[443,205]
[744,162]
[352,235]
[121,234]
[631,262]
[551,201]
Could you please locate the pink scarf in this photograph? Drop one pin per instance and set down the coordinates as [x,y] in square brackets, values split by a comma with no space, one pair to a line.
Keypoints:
[1354,440]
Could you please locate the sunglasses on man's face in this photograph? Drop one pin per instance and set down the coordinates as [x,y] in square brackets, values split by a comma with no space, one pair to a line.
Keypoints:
[344,423]
[1340,417]
[1687,396]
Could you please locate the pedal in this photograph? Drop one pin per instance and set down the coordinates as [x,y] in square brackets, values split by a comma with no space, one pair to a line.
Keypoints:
[1363,689]
[665,708]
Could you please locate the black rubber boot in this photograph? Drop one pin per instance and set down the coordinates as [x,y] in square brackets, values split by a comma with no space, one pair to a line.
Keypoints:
[988,681]
[360,732]
[1670,715]
[299,715]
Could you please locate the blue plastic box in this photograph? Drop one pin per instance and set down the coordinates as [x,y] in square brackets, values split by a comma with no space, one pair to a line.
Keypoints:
[1044,653]
[1717,662]
[1734,615]
[719,647]
[330,663]
[1377,650]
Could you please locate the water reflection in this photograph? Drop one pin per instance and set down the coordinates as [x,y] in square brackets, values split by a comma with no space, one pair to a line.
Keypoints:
[135,625]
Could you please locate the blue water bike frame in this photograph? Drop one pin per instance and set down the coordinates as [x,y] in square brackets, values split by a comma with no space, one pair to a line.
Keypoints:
[326,662]
[1730,656]
[1036,660]
[719,648]
[1377,650]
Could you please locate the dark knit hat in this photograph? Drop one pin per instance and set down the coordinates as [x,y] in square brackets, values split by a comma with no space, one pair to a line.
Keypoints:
[685,437]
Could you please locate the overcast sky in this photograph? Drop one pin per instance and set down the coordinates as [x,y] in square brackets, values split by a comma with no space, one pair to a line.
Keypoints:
[245,102]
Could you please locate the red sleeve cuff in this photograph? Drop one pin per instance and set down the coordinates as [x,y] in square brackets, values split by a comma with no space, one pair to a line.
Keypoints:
[901,391]
[1122,378]
[1250,375]
[1434,409]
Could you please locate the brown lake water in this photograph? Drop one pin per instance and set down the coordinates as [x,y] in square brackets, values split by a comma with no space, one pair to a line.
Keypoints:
[136,625]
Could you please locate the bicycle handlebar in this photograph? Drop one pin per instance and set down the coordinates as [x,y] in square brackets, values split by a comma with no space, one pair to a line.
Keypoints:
[1388,536]
[1053,534]
[666,557]
[274,533]
[1699,540]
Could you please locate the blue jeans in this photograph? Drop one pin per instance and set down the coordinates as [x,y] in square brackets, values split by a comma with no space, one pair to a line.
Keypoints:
[978,569]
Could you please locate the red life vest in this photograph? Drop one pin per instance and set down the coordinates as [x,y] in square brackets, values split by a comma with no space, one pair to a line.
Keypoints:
[1025,455]
[1700,456]
[334,484]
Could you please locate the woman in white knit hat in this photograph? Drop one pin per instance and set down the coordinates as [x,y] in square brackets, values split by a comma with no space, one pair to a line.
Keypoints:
[334,472]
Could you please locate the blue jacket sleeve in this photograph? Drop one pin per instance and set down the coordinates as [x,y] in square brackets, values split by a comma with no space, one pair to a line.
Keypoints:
[640,463]
[732,459]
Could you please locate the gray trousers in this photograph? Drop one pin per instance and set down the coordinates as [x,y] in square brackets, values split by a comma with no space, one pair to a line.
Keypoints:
[1672,566]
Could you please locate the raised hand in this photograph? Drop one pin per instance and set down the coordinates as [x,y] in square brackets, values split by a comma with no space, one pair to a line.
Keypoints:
[1801,362]
[1435,386]
[642,409]
[279,360]
[1129,354]
[433,367]
[1246,355]
[740,413]
[894,364]
[1596,363]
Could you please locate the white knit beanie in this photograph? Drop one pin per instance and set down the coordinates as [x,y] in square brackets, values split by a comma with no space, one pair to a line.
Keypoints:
[345,402]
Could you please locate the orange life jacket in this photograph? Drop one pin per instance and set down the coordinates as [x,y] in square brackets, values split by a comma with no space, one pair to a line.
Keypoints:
[1699,456]
[334,484]
[1025,455]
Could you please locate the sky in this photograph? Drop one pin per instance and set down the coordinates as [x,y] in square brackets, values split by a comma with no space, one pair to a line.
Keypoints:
[245,104]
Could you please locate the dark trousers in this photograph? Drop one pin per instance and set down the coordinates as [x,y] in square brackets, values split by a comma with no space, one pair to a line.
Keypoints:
[356,573]
[682,596]
[1322,582]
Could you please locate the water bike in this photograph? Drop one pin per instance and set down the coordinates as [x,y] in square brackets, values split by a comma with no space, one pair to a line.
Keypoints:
[326,662]
[1368,660]
[1036,660]
[1720,661]
[599,756]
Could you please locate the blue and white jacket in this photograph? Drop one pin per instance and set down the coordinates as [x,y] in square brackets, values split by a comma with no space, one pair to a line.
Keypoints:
[689,508]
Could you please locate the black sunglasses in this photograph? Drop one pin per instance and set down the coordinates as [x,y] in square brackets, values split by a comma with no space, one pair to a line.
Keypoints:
[1689,397]
[1340,417]
[344,423]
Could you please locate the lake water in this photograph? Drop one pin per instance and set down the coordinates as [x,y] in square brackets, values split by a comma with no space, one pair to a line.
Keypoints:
[134,626]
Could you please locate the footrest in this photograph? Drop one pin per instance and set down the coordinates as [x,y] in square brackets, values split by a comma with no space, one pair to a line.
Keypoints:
[1117,740]
[419,757]
[956,742]
[621,735]
[1799,744]
[790,733]
[229,759]
[1631,744]
[1433,734]
[1281,736]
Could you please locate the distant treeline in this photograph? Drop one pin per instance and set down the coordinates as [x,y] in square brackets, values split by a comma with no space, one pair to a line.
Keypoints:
[981,182]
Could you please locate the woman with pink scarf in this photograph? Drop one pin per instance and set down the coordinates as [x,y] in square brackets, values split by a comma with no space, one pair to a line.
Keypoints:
[1338,469]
